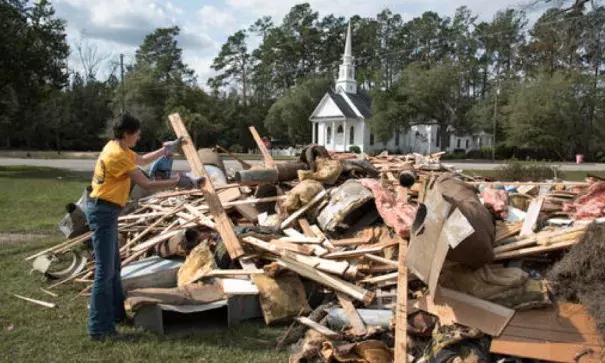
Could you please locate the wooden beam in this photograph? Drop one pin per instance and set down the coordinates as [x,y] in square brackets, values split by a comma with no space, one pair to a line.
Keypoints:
[219,273]
[351,241]
[222,221]
[269,163]
[324,279]
[401,311]
[303,239]
[244,164]
[357,325]
[380,279]
[353,254]
[67,244]
[139,236]
[533,212]
[38,302]
[382,260]
[306,227]
[286,223]
[298,248]
[330,334]
[535,250]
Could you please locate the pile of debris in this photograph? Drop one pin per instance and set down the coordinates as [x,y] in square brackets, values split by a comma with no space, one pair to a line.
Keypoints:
[371,259]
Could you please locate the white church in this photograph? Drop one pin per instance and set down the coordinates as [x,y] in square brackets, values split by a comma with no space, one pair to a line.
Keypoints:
[339,121]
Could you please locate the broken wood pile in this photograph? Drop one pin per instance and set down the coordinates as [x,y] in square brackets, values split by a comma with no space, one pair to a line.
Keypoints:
[365,267]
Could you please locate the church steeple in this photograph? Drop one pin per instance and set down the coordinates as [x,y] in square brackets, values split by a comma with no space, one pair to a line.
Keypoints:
[346,76]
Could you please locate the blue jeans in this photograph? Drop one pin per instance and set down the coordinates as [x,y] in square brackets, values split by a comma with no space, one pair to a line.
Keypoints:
[107,298]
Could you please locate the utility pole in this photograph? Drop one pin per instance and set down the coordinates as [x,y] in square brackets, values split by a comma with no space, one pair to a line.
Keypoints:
[494,123]
[122,79]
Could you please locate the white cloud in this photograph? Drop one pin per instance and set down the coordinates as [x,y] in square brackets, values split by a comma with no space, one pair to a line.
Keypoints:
[212,17]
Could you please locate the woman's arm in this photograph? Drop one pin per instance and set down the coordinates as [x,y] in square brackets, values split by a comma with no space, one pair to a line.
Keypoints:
[142,160]
[151,185]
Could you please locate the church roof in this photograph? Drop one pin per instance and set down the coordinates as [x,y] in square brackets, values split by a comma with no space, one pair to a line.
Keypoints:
[362,102]
[342,104]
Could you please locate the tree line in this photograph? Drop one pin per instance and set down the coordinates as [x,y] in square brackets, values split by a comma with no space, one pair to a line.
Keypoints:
[539,86]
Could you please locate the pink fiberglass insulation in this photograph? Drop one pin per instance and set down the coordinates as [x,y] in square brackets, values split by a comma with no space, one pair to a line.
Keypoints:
[590,205]
[496,200]
[393,207]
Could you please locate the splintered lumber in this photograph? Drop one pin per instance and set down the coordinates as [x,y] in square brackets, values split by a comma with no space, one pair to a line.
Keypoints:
[512,184]
[380,279]
[39,302]
[536,250]
[334,267]
[543,238]
[455,307]
[130,217]
[138,237]
[563,332]
[324,279]
[301,239]
[508,230]
[244,164]
[265,246]
[533,212]
[67,244]
[401,311]
[286,223]
[357,325]
[49,292]
[306,227]
[298,248]
[219,273]
[155,240]
[351,241]
[269,163]
[222,221]
[353,254]
[382,260]
[330,334]
[202,219]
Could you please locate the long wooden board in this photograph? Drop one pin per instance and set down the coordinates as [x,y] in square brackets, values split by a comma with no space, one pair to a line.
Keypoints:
[223,223]
[533,212]
[401,310]
[269,163]
[559,333]
[357,325]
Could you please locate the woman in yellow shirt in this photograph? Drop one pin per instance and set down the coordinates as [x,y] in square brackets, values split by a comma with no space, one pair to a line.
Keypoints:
[114,171]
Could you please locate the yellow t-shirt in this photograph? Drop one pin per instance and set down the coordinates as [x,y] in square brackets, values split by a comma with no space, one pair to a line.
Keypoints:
[110,181]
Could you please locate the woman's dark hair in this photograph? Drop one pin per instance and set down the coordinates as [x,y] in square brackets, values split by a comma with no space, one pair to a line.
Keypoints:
[125,124]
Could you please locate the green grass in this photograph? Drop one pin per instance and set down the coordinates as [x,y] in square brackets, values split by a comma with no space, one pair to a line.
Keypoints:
[93,155]
[40,334]
[33,199]
[569,175]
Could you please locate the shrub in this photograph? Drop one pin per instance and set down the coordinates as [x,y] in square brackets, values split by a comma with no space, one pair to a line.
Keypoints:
[515,170]
[236,148]
[454,156]
[355,149]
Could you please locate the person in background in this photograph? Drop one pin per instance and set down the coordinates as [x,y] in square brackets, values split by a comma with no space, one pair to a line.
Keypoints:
[114,171]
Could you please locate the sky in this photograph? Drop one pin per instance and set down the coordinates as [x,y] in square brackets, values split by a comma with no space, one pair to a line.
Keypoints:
[119,26]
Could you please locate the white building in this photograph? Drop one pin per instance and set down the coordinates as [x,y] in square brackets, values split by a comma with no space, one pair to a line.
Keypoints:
[339,121]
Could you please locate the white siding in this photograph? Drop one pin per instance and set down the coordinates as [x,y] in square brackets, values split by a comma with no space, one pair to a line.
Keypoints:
[328,109]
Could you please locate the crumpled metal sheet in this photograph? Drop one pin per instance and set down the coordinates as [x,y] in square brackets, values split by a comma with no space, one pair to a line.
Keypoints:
[344,200]
[44,264]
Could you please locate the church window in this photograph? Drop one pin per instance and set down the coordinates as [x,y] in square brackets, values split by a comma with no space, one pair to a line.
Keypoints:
[316,125]
[352,135]
[438,137]
[467,143]
[329,135]
[371,138]
[350,73]
[397,138]
[458,143]
[339,130]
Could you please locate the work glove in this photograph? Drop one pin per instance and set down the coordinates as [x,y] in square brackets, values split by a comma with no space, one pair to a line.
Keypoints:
[173,147]
[189,181]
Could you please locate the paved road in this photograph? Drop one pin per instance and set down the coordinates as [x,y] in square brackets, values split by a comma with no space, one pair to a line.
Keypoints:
[83,165]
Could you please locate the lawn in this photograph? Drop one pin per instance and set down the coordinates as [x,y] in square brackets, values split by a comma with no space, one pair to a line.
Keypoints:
[569,175]
[31,333]
[93,155]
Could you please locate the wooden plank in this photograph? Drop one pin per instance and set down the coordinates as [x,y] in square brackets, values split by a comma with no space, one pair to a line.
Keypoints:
[557,333]
[298,248]
[291,232]
[303,239]
[269,163]
[199,216]
[533,212]
[38,302]
[67,244]
[351,241]
[357,325]
[330,334]
[535,250]
[139,236]
[262,245]
[324,279]
[382,260]
[382,278]
[222,221]
[353,254]
[306,227]
[49,292]
[286,223]
[333,267]
[401,311]
[219,273]
[244,164]
[155,240]
[455,307]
